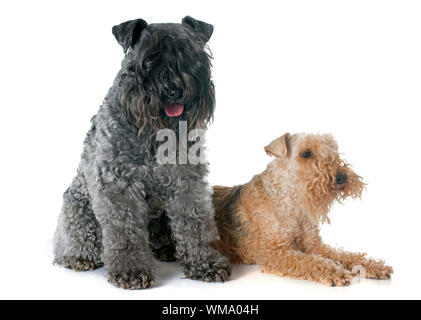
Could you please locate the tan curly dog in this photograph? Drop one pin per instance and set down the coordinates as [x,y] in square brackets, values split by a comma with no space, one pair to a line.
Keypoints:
[274,219]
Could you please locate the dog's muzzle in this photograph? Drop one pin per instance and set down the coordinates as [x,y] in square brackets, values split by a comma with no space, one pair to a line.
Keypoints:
[175,94]
[173,108]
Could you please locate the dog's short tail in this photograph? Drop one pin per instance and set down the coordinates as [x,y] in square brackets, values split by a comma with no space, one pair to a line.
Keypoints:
[229,226]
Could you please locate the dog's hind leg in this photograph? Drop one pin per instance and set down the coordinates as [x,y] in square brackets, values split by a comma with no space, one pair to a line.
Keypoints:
[77,241]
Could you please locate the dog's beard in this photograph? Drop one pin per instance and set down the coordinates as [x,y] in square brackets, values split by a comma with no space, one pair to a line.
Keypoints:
[318,201]
[149,113]
[321,192]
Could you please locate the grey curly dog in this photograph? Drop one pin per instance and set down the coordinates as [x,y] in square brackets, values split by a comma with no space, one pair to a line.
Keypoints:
[123,207]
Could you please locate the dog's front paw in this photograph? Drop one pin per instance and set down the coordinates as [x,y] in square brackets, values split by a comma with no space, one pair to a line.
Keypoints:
[132,280]
[209,271]
[338,278]
[78,264]
[376,270]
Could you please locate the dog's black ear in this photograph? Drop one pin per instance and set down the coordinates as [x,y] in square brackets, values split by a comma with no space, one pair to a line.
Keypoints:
[202,28]
[127,33]
[279,147]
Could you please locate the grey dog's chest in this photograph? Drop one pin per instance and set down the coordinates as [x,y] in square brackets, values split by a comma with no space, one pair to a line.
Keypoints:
[116,158]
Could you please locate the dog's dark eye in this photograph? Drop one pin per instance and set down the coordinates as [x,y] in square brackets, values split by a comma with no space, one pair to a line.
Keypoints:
[306,154]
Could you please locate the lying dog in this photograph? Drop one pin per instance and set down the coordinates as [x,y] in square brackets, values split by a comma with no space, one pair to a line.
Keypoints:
[273,220]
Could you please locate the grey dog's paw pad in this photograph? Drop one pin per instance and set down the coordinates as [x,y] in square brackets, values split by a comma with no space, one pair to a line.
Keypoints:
[207,273]
[220,275]
[133,280]
[78,264]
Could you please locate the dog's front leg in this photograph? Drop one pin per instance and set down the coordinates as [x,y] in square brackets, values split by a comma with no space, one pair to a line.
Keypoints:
[299,265]
[313,244]
[123,217]
[356,262]
[193,228]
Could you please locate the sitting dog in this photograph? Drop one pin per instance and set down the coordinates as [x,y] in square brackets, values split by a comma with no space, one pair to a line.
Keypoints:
[273,220]
[123,206]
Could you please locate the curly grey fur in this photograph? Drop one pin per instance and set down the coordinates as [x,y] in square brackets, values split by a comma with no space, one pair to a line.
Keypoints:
[122,206]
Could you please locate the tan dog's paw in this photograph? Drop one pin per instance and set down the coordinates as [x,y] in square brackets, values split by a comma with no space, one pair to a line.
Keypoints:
[378,270]
[339,278]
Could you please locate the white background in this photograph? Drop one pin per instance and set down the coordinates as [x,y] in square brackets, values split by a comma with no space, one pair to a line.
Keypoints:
[351,68]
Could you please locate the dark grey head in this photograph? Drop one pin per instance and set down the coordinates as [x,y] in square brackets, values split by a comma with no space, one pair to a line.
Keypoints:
[166,73]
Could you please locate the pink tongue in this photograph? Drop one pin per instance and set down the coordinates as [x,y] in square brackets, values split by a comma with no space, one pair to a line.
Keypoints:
[174,110]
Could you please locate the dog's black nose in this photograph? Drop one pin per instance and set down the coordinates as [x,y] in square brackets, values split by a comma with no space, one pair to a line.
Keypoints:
[340,179]
[174,94]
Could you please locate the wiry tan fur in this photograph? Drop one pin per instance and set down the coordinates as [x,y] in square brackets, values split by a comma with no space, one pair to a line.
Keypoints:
[274,219]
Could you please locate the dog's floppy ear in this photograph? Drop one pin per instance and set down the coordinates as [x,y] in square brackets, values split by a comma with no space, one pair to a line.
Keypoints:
[202,28]
[279,147]
[127,33]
